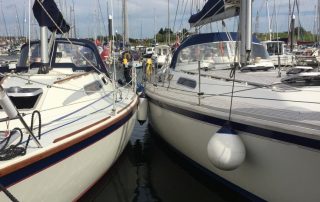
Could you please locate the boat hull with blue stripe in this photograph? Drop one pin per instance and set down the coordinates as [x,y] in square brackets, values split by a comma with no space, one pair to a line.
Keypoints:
[277,122]
[78,115]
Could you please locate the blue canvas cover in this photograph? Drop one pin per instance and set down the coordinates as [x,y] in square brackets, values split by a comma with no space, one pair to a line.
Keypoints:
[44,20]
[212,7]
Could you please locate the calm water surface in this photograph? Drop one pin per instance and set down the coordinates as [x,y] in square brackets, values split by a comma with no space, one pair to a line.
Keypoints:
[149,171]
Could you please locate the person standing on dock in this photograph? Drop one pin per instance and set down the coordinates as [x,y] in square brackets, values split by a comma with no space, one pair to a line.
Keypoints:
[105,53]
[127,65]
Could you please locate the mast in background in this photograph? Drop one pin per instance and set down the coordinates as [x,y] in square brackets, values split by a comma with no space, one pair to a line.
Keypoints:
[74,21]
[318,21]
[168,30]
[4,21]
[292,33]
[154,26]
[18,21]
[269,21]
[125,22]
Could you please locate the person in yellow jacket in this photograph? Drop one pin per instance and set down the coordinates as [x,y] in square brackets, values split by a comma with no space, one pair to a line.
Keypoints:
[126,61]
[149,68]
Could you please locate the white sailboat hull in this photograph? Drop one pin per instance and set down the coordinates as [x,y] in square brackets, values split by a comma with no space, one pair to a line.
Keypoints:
[273,170]
[285,60]
[79,166]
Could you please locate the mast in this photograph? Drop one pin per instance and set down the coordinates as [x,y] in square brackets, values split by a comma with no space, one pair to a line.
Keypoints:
[110,26]
[168,23]
[24,22]
[246,30]
[125,22]
[95,25]
[289,17]
[315,23]
[4,21]
[292,33]
[257,23]
[318,21]
[44,45]
[102,20]
[18,21]
[269,23]
[154,26]
[73,20]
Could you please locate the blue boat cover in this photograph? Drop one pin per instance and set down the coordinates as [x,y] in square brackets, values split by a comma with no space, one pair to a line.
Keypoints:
[206,38]
[212,7]
[44,20]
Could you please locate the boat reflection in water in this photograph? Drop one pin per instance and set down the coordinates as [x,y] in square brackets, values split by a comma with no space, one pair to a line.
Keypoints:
[149,171]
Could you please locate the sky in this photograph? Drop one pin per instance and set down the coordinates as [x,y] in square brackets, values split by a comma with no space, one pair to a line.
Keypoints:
[147,16]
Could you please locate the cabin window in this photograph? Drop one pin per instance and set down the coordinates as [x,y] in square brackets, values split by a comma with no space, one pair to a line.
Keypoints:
[187,82]
[24,56]
[79,55]
[165,51]
[274,48]
[92,87]
[215,53]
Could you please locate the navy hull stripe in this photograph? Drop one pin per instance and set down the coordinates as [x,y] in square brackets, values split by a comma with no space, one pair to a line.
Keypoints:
[303,141]
[31,169]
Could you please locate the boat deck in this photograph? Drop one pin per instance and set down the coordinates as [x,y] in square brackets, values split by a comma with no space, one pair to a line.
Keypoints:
[262,78]
[287,111]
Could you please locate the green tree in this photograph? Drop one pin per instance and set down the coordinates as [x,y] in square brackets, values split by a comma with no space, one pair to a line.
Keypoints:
[161,31]
[302,30]
[166,31]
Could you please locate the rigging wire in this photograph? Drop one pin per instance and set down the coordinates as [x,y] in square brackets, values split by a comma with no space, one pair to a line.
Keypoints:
[184,11]
[103,22]
[175,17]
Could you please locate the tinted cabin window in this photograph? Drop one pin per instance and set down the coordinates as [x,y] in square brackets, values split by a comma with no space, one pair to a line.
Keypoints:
[187,82]
[24,57]
[81,56]
[165,51]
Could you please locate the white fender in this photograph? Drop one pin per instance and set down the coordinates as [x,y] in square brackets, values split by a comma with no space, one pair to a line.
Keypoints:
[142,110]
[226,150]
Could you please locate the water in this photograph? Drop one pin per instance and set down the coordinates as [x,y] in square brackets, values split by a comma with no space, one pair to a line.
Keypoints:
[149,171]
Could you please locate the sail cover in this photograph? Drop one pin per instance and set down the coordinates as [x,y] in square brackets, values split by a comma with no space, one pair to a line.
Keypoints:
[50,7]
[215,10]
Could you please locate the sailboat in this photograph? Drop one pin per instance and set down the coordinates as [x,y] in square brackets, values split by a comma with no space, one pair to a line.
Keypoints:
[239,120]
[278,53]
[64,122]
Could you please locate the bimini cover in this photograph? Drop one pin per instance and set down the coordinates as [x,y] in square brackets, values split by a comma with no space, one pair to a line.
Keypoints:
[206,38]
[215,10]
[40,10]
